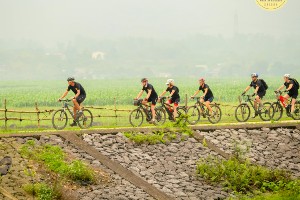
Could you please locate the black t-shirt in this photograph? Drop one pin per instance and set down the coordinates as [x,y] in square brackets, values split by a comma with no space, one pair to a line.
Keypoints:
[209,93]
[259,84]
[76,87]
[176,93]
[293,89]
[150,87]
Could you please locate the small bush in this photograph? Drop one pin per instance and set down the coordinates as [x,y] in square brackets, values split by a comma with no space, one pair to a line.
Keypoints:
[53,158]
[242,176]
[41,190]
[140,138]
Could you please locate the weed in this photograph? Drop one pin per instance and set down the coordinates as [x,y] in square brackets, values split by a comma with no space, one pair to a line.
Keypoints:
[53,158]
[41,190]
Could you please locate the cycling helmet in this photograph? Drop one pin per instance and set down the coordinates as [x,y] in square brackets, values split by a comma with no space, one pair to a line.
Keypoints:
[71,79]
[201,79]
[169,81]
[254,75]
[287,76]
[144,79]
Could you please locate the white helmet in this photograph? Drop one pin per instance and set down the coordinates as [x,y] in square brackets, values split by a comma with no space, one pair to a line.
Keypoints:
[254,75]
[169,81]
[287,76]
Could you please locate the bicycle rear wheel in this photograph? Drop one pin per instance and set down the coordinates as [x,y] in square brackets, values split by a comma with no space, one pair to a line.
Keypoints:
[86,119]
[193,114]
[160,116]
[296,114]
[277,111]
[59,119]
[136,117]
[264,113]
[242,112]
[217,114]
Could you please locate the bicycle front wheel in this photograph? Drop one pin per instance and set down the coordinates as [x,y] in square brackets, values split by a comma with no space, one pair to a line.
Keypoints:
[160,116]
[59,119]
[193,114]
[266,112]
[136,117]
[217,114]
[86,119]
[296,114]
[181,114]
[277,111]
[242,113]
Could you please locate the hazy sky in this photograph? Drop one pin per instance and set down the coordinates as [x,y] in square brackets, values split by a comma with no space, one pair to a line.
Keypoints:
[61,20]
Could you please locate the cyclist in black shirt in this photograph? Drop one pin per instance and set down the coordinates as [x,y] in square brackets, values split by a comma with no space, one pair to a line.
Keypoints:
[259,93]
[151,96]
[174,95]
[292,90]
[207,96]
[77,99]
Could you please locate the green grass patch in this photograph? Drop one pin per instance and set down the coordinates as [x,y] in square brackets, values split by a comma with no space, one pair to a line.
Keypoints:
[41,191]
[150,138]
[53,158]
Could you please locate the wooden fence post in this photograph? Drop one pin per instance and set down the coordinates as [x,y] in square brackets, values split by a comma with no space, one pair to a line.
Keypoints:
[115,110]
[5,115]
[38,114]
[186,100]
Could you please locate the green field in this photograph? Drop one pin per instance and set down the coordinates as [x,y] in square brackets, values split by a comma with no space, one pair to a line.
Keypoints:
[22,95]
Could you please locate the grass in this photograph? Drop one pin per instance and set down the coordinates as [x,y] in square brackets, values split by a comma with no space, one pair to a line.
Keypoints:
[53,159]
[103,92]
[248,180]
[42,191]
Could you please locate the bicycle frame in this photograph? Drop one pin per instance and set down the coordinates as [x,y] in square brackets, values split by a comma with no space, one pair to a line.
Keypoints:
[250,100]
[167,107]
[145,110]
[66,107]
[203,109]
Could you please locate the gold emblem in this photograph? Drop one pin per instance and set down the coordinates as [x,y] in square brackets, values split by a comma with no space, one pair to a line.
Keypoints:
[271,4]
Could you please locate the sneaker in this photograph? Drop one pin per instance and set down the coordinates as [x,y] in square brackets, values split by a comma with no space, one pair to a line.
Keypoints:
[79,114]
[73,124]
[254,115]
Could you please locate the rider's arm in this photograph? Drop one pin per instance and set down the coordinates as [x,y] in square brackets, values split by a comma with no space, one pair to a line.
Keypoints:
[290,87]
[148,95]
[256,89]
[196,93]
[64,94]
[140,94]
[173,91]
[280,88]
[162,94]
[205,91]
[76,95]
[247,88]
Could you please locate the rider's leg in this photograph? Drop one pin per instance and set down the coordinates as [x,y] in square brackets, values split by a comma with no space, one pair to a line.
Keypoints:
[207,104]
[201,101]
[153,112]
[175,110]
[286,99]
[76,107]
[293,105]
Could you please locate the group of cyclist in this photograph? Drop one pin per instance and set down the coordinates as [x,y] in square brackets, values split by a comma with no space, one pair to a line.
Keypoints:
[259,85]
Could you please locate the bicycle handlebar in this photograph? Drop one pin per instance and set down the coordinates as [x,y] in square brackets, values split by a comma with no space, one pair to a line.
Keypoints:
[65,100]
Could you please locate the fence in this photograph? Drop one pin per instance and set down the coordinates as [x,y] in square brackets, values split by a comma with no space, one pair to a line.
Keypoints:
[43,115]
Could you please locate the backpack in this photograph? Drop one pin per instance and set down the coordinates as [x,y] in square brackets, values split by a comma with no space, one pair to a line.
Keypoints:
[264,84]
[296,83]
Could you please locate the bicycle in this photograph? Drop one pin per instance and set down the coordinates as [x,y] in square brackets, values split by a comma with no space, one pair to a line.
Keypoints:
[194,112]
[181,110]
[243,110]
[136,116]
[280,104]
[60,117]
